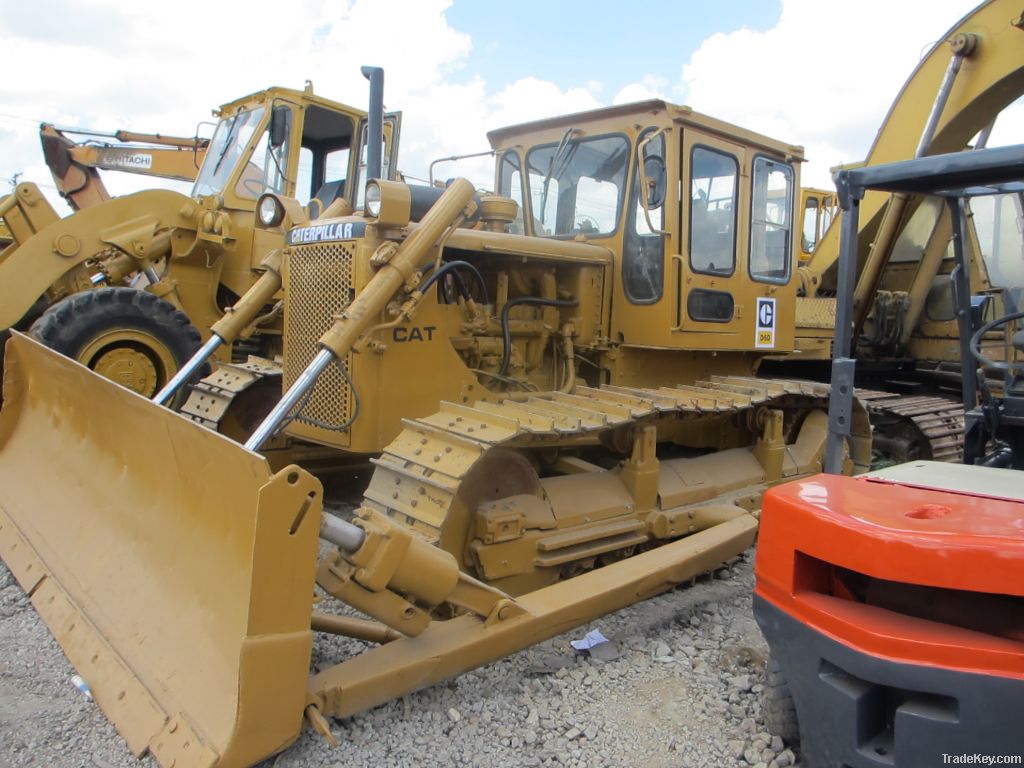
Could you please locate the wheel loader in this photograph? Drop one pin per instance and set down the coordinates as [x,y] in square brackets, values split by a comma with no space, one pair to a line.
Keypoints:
[555,384]
[76,281]
[893,603]
[74,166]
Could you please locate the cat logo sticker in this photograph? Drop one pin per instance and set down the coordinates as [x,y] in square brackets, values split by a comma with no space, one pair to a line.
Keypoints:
[764,334]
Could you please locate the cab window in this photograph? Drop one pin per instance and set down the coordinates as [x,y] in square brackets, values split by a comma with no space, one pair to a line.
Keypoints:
[364,156]
[643,263]
[809,238]
[999,221]
[576,185]
[227,147]
[267,166]
[335,169]
[771,221]
[713,176]
[324,157]
[510,184]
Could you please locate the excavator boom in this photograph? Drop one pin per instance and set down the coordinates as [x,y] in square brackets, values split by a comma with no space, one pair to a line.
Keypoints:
[958,89]
[75,165]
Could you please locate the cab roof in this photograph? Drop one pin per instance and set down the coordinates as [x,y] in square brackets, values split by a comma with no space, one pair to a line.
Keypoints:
[268,94]
[651,112]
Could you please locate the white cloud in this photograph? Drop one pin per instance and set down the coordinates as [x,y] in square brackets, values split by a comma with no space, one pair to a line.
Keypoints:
[650,87]
[532,99]
[127,67]
[823,77]
[1009,126]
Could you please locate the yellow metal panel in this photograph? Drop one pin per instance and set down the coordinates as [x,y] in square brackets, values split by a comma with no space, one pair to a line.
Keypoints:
[815,313]
[174,569]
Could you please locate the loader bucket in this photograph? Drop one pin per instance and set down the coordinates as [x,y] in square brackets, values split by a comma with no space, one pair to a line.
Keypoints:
[174,569]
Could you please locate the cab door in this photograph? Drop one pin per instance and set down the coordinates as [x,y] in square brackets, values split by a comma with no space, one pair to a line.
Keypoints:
[736,287]
[709,274]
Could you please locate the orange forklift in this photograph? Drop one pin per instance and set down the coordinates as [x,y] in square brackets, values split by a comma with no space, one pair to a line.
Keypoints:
[893,602]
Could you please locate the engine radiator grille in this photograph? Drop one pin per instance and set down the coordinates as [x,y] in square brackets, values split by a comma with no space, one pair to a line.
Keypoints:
[319,286]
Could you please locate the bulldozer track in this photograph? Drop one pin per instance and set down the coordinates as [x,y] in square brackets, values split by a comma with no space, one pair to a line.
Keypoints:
[211,396]
[418,476]
[938,420]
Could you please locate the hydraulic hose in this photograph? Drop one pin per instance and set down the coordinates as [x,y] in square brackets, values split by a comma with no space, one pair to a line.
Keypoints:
[506,333]
[448,266]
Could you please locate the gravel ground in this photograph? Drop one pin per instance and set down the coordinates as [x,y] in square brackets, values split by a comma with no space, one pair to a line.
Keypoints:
[684,690]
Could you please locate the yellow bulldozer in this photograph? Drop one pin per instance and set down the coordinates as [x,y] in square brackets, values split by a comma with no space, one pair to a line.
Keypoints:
[557,386]
[75,281]
[564,413]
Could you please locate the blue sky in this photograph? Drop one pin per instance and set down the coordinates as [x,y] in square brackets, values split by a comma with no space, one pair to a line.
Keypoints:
[571,43]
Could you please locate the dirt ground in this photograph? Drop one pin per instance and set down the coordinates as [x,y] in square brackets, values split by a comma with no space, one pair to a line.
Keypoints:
[681,688]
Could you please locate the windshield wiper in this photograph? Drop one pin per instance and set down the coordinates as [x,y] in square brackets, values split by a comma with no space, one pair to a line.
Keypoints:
[277,165]
[563,145]
[227,143]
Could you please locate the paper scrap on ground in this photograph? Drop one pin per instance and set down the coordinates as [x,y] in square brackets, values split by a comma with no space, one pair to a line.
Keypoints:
[592,638]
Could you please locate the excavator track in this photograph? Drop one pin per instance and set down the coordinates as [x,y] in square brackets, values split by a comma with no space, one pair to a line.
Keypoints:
[916,427]
[420,475]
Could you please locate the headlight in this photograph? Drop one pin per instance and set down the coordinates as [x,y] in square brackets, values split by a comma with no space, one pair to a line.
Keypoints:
[388,202]
[373,199]
[270,211]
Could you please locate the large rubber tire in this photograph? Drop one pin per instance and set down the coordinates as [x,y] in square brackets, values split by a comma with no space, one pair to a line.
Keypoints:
[777,705]
[126,334]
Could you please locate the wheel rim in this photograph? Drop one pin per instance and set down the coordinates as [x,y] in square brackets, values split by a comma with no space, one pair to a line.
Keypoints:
[137,361]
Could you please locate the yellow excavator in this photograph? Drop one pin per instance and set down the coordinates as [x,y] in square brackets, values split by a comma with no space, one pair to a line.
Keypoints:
[75,164]
[906,330]
[75,281]
[556,384]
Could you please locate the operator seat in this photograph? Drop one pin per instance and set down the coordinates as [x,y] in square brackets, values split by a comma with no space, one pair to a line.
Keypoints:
[327,194]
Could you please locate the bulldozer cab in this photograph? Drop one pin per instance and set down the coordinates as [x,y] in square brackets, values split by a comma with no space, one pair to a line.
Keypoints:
[292,143]
[700,213]
[280,140]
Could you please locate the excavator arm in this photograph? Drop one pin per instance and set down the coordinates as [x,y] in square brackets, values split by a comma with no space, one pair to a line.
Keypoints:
[957,90]
[75,165]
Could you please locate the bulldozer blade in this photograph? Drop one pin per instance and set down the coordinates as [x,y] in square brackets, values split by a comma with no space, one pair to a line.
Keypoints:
[450,647]
[174,569]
